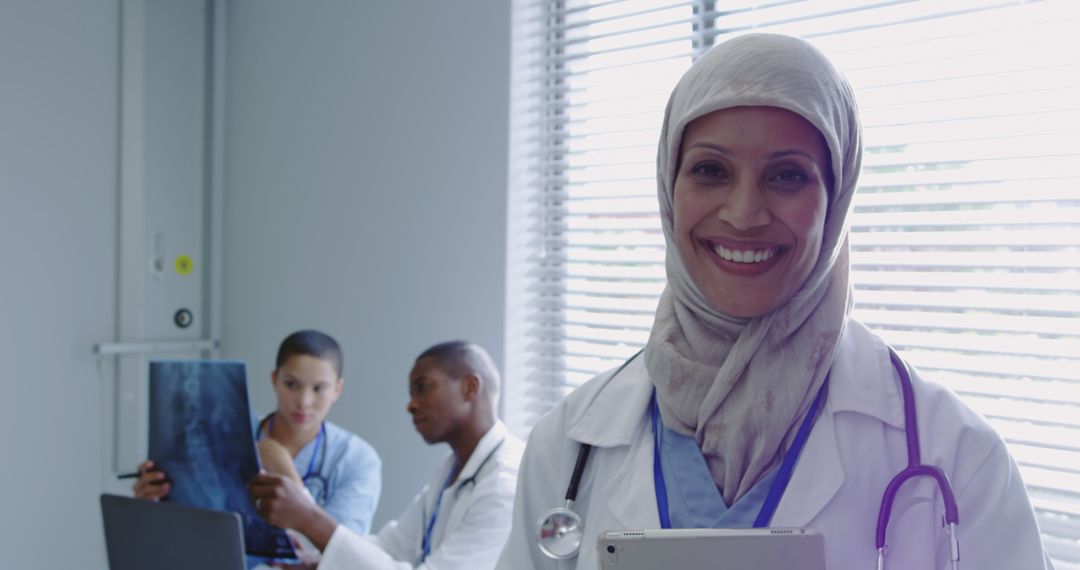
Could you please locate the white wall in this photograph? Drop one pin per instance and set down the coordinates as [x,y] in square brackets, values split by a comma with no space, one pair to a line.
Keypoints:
[58,187]
[365,196]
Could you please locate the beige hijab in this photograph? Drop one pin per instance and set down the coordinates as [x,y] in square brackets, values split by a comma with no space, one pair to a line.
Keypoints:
[741,386]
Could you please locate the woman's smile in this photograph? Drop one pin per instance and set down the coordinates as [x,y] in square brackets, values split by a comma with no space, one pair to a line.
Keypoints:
[748,259]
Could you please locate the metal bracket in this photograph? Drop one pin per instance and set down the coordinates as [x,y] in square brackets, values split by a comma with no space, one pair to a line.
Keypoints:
[144,347]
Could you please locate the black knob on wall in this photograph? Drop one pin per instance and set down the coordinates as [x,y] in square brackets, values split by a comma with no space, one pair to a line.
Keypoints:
[183,318]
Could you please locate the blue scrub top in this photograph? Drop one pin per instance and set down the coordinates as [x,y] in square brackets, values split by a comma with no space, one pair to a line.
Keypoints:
[694,501]
[347,481]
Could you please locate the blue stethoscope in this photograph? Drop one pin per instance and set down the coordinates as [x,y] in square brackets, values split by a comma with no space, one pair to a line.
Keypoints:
[425,544]
[313,478]
[561,529]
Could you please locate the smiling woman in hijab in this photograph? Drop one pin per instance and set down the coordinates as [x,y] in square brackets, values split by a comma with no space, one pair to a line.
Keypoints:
[756,168]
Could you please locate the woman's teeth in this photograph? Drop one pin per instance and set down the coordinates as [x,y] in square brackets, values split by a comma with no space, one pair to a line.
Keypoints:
[745,256]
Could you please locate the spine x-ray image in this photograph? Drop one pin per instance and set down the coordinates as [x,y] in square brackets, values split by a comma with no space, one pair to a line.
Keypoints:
[201,434]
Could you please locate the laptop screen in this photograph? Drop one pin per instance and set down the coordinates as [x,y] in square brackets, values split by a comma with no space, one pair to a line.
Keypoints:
[144,534]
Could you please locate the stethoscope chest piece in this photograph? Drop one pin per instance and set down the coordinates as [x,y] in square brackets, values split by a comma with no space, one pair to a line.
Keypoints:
[560,532]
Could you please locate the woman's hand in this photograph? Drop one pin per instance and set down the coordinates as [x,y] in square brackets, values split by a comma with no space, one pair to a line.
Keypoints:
[284,502]
[152,484]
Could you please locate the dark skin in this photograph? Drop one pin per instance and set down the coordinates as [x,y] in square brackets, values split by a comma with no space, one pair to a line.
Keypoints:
[445,409]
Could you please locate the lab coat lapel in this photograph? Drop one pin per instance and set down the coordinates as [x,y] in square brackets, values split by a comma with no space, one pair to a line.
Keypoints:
[817,477]
[630,494]
[613,417]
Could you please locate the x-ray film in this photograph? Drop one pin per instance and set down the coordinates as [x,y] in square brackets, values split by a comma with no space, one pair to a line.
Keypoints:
[201,434]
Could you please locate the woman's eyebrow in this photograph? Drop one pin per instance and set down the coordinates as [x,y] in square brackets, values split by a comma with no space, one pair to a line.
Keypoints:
[771,156]
[712,146]
[787,152]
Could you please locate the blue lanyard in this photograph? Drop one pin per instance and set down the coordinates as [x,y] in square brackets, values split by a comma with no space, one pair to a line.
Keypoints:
[426,544]
[779,485]
[314,452]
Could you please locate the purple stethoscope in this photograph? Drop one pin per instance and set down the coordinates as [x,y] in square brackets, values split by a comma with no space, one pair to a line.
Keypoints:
[561,529]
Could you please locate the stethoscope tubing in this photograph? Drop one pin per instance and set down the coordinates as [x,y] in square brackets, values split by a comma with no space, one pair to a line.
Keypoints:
[915,469]
[579,468]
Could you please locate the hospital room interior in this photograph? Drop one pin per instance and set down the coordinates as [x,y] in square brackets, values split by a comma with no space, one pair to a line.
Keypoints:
[197,179]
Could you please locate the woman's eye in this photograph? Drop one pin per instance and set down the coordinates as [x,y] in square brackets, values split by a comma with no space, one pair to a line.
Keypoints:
[790,177]
[709,171]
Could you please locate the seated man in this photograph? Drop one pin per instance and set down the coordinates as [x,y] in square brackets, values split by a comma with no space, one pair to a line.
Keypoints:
[462,518]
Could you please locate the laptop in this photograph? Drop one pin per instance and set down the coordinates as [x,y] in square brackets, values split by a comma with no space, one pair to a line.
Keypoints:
[141,534]
[715,549]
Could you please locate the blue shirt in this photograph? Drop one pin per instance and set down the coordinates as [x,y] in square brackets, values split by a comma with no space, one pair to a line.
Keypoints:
[694,501]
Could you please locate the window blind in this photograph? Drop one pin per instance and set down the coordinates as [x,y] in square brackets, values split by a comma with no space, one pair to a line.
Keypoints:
[965,233]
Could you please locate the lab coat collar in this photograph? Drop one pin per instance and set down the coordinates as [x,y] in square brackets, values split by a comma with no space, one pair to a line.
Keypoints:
[608,412]
[855,381]
[484,447]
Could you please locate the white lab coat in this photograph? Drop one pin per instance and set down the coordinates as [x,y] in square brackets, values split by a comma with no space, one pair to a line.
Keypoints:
[471,527]
[856,446]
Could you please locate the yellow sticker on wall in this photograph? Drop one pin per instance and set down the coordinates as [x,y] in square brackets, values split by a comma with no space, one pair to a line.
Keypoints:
[184,264]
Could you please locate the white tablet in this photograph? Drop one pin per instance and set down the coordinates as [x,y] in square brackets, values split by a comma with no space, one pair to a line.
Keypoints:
[715,549]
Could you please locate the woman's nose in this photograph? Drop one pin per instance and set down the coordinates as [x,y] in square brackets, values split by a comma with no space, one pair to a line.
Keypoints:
[745,207]
[307,398]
